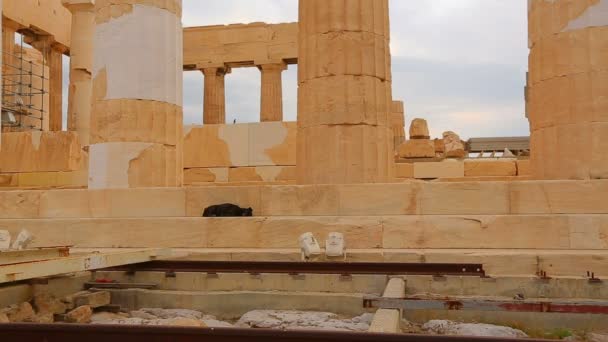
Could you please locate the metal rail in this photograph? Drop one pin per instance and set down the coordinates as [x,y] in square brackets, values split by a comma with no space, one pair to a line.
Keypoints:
[103,333]
[344,268]
[459,304]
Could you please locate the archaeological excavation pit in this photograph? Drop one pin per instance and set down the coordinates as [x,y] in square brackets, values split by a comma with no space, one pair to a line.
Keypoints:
[352,298]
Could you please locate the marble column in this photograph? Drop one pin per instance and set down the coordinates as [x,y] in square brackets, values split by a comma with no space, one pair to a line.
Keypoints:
[214,106]
[344,92]
[567,92]
[136,119]
[81,66]
[272,92]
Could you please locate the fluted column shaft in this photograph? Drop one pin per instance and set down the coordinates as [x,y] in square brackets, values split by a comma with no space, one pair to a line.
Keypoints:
[344,92]
[136,121]
[271,102]
[214,108]
[567,91]
[81,67]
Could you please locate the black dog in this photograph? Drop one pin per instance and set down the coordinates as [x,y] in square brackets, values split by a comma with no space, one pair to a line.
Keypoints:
[227,210]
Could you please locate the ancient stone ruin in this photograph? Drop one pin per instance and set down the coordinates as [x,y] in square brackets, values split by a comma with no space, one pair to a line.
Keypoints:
[339,221]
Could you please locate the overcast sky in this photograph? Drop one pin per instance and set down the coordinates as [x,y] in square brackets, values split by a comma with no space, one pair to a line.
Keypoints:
[460,64]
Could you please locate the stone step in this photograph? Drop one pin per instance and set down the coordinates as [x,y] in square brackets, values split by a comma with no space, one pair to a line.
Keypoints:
[388,232]
[496,262]
[412,198]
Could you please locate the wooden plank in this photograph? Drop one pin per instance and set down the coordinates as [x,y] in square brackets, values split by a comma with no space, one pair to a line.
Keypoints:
[29,255]
[38,269]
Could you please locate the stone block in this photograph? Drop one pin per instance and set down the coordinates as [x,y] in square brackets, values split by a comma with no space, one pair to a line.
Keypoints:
[417,148]
[404,170]
[419,129]
[445,169]
[345,154]
[439,146]
[93,299]
[127,165]
[481,168]
[213,146]
[22,313]
[41,152]
[46,303]
[19,204]
[4,318]
[524,168]
[272,143]
[493,232]
[558,197]
[299,200]
[153,202]
[375,200]
[244,196]
[69,179]
[464,198]
[80,315]
[454,147]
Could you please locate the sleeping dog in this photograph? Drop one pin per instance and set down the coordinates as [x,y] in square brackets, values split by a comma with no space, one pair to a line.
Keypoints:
[227,210]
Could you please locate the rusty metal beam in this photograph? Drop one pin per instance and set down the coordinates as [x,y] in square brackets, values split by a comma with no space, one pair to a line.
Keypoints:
[345,268]
[100,333]
[459,304]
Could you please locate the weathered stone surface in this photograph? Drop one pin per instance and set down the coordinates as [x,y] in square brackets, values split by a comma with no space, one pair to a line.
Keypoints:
[46,303]
[93,299]
[44,318]
[386,322]
[271,319]
[344,127]
[454,147]
[404,170]
[419,129]
[597,337]
[81,314]
[524,168]
[481,168]
[240,145]
[439,146]
[238,43]
[445,169]
[107,316]
[41,152]
[4,318]
[567,87]
[417,148]
[464,329]
[349,154]
[21,313]
[205,175]
[185,322]
[5,240]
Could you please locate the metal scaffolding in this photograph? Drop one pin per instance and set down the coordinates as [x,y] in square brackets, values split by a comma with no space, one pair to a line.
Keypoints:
[23,101]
